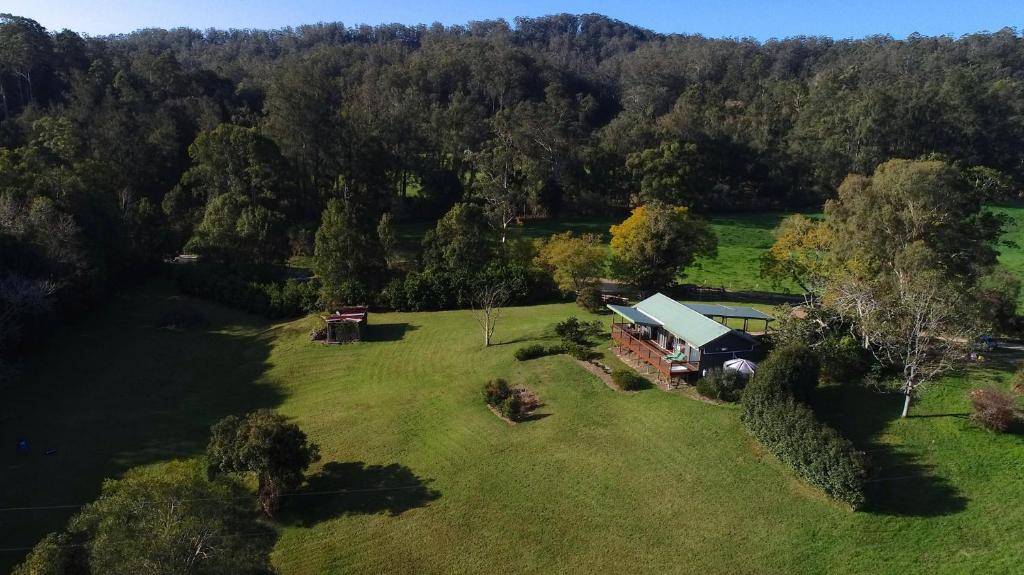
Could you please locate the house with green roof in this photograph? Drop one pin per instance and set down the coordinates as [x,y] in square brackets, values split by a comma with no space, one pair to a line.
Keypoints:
[680,341]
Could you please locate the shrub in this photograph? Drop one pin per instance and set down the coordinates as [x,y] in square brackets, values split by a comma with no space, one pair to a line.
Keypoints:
[722,384]
[816,452]
[531,352]
[629,380]
[773,414]
[511,407]
[578,351]
[589,298]
[495,391]
[512,402]
[791,370]
[842,359]
[572,330]
[993,409]
[278,299]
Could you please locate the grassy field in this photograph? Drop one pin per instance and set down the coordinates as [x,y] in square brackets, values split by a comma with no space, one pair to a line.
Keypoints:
[600,481]
[1013,256]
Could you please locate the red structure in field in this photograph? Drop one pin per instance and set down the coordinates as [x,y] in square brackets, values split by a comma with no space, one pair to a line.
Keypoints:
[346,324]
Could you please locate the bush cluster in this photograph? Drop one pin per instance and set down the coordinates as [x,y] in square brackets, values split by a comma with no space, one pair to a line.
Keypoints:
[280,299]
[629,380]
[515,403]
[536,350]
[993,409]
[578,351]
[574,331]
[589,298]
[437,288]
[774,414]
[722,384]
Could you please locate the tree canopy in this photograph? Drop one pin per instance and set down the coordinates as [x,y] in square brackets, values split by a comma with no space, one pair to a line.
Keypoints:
[655,244]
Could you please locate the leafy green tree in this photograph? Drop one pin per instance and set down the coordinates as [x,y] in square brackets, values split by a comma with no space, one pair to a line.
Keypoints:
[652,248]
[799,254]
[873,219]
[235,192]
[347,257]
[190,525]
[265,444]
[461,241]
[56,554]
[575,261]
[997,294]
[908,245]
[386,235]
[670,173]
[236,231]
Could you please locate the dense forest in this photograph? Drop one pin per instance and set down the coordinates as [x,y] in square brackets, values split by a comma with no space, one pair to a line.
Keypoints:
[119,152]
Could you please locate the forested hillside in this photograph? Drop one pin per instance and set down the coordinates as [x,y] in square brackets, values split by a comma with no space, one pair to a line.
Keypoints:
[117,152]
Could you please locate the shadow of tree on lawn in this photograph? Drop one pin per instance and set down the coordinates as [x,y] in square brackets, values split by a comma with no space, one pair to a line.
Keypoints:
[357,488]
[900,483]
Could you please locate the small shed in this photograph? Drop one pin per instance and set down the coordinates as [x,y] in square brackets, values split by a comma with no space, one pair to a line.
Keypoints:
[346,324]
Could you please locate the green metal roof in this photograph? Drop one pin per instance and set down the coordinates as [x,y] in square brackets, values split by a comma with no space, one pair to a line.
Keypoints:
[719,310]
[681,321]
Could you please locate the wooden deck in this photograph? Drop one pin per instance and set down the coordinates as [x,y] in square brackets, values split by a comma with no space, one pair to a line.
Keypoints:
[651,354]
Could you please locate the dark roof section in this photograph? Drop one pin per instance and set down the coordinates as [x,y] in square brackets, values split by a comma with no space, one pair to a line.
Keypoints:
[742,312]
[634,315]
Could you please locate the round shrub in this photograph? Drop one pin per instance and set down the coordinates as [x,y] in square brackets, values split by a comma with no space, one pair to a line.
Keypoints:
[580,352]
[589,298]
[993,409]
[495,391]
[790,370]
[629,380]
[722,384]
[511,407]
[531,352]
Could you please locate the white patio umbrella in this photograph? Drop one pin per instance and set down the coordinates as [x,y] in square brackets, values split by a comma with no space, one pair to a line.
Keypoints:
[741,365]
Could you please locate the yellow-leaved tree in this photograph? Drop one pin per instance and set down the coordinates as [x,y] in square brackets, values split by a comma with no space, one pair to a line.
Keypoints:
[576,262]
[652,248]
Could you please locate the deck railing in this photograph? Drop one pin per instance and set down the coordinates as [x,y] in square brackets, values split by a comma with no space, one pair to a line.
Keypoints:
[648,352]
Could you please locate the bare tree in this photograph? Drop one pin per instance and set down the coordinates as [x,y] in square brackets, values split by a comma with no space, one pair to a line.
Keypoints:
[500,181]
[916,321]
[487,300]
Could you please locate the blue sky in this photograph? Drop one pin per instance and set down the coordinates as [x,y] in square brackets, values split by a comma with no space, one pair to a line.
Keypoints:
[735,18]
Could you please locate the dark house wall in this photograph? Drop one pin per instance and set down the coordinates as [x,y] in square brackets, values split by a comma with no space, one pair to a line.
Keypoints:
[729,346]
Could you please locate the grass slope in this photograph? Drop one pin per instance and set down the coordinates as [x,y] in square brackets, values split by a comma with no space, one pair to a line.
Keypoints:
[600,481]
[1012,256]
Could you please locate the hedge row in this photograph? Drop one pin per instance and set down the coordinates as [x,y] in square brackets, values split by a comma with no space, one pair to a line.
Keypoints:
[776,417]
[281,299]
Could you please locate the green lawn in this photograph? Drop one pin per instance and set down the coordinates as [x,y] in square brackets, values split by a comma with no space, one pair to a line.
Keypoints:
[602,481]
[1013,256]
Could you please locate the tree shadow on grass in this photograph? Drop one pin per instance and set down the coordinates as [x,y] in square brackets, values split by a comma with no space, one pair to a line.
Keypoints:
[115,390]
[357,488]
[388,331]
[900,483]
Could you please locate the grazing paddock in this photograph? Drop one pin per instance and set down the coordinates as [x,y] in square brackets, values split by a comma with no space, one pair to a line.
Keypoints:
[598,481]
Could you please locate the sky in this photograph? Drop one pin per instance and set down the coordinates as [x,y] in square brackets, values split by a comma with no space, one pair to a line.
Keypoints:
[724,18]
